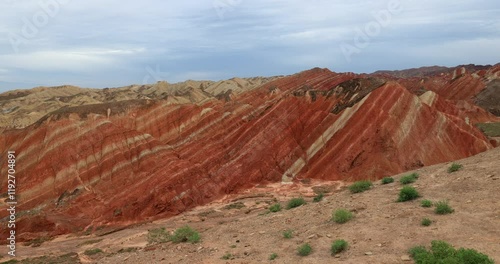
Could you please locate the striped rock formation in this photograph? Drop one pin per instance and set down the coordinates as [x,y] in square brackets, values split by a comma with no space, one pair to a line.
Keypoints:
[123,162]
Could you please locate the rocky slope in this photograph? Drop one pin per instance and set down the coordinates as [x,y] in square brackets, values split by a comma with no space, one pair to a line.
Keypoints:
[21,108]
[117,160]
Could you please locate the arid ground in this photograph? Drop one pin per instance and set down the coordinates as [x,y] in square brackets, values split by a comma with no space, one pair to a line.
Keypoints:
[381,231]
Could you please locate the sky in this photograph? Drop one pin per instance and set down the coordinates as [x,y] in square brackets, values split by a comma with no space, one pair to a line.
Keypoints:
[112,43]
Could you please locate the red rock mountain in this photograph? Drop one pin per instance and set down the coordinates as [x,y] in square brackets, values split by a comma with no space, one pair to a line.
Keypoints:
[123,162]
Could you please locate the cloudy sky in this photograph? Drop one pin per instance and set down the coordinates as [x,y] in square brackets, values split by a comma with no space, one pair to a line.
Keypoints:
[109,43]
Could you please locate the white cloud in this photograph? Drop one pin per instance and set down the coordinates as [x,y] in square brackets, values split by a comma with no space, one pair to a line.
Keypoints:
[85,60]
[100,40]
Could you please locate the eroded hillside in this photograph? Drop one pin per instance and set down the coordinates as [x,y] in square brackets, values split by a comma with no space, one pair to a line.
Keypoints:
[123,160]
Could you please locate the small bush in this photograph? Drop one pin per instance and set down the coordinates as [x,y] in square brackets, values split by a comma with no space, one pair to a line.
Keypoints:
[237,205]
[37,241]
[185,234]
[387,180]
[275,208]
[360,186]
[227,256]
[295,202]
[442,207]
[318,198]
[128,250]
[342,216]
[442,252]
[408,193]
[288,234]
[426,203]
[94,251]
[273,256]
[407,179]
[454,167]
[339,246]
[426,222]
[304,250]
[158,235]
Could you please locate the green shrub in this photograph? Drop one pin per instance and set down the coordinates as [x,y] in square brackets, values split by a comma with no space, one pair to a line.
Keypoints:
[490,129]
[360,186]
[387,180]
[407,179]
[185,234]
[318,198]
[94,251]
[442,207]
[288,234]
[442,252]
[227,256]
[339,246]
[454,167]
[275,208]
[158,235]
[304,249]
[273,256]
[426,203]
[237,205]
[295,202]
[426,222]
[408,193]
[341,216]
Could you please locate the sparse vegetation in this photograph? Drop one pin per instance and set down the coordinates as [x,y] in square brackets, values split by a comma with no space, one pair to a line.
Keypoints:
[426,203]
[342,216]
[387,180]
[273,256]
[93,251]
[185,234]
[426,222]
[490,129]
[275,208]
[90,242]
[127,250]
[227,256]
[408,193]
[237,205]
[158,235]
[407,179]
[37,241]
[339,246]
[442,252]
[288,234]
[318,198]
[360,186]
[442,207]
[454,167]
[295,202]
[304,250]
[66,258]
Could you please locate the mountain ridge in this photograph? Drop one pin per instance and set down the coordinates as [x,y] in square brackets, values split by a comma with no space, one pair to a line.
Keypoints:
[158,158]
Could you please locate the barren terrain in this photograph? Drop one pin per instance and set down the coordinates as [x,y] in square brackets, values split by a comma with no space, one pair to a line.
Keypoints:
[381,231]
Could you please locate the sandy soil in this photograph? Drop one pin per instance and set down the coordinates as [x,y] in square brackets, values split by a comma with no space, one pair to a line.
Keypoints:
[381,232]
